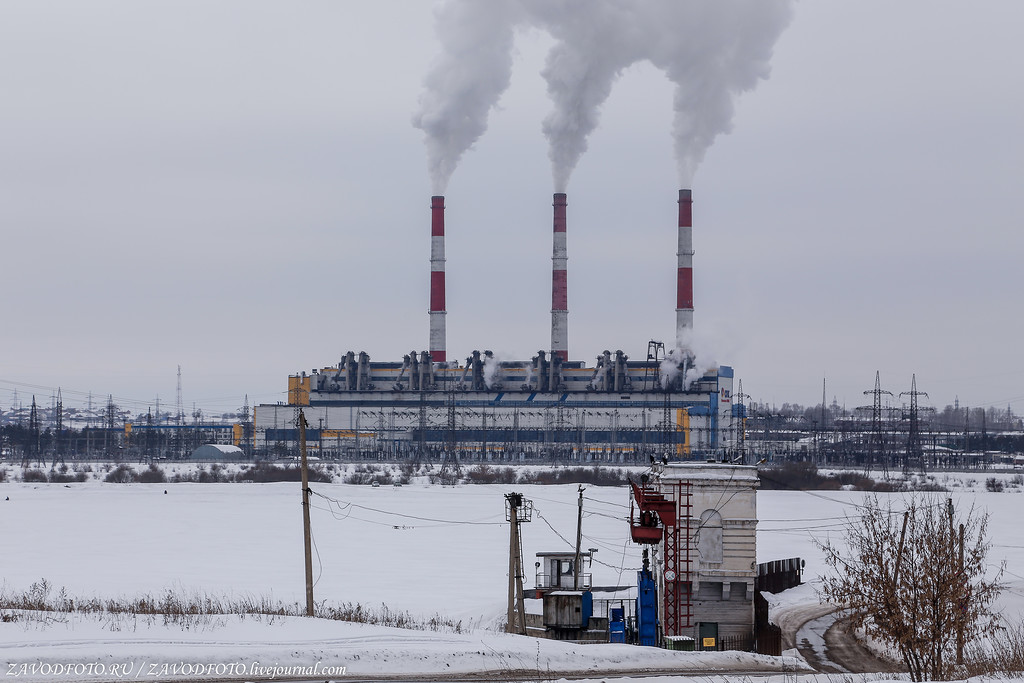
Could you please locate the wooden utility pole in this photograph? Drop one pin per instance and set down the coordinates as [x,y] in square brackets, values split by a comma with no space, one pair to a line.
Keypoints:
[961,581]
[579,542]
[899,550]
[306,537]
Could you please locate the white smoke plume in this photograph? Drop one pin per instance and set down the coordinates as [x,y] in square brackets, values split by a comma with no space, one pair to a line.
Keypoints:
[473,70]
[684,364]
[492,366]
[721,49]
[712,50]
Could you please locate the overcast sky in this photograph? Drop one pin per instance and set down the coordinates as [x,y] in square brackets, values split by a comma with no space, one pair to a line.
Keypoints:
[237,187]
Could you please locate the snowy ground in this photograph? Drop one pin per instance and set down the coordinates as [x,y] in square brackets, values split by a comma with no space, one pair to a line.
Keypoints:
[426,549]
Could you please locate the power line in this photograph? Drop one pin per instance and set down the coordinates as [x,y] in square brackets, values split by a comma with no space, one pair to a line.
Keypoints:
[403,515]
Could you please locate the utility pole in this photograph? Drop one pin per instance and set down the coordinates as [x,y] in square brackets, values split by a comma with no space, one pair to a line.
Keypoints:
[306,536]
[579,542]
[960,607]
[517,511]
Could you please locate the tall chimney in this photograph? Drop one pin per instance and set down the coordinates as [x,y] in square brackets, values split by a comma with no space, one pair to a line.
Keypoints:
[437,311]
[559,284]
[684,273]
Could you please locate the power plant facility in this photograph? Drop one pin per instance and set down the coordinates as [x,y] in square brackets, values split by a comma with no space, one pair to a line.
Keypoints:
[430,406]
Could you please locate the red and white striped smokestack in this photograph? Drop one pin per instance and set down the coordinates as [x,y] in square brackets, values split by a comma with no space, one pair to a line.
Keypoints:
[559,284]
[437,311]
[684,272]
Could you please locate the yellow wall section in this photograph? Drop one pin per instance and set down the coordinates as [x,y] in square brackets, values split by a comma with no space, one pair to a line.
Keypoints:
[298,390]
[683,425]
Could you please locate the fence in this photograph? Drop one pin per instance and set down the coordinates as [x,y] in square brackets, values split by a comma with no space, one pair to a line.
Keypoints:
[779,575]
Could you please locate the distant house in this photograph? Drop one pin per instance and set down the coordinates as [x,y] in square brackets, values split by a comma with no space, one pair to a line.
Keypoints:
[217,452]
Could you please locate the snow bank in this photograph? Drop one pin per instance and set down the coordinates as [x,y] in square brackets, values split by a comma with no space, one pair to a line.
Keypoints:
[246,649]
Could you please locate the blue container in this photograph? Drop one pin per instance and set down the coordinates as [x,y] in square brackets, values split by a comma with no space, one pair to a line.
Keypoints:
[646,609]
[617,626]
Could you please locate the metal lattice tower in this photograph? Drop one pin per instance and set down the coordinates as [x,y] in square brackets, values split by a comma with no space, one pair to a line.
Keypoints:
[420,451]
[655,357]
[180,405]
[450,468]
[741,441]
[246,427]
[876,445]
[667,428]
[914,451]
[58,429]
[32,447]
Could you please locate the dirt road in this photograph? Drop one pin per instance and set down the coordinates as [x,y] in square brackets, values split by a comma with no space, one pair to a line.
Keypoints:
[823,637]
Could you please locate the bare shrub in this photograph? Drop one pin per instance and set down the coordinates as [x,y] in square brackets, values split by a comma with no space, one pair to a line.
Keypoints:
[994,484]
[804,476]
[216,475]
[365,474]
[790,475]
[596,476]
[122,474]
[152,475]
[34,476]
[63,475]
[913,581]
[485,474]
[263,472]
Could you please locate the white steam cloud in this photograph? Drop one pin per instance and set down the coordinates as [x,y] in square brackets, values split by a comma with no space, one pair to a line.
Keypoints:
[474,69]
[712,50]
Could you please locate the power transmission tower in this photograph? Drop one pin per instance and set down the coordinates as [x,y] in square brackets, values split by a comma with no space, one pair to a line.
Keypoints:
[822,427]
[58,428]
[179,421]
[876,444]
[450,468]
[179,417]
[517,511]
[246,428]
[32,447]
[149,435]
[741,445]
[967,433]
[108,432]
[667,428]
[914,451]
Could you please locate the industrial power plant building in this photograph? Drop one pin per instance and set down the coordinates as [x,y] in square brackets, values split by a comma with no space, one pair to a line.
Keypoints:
[548,407]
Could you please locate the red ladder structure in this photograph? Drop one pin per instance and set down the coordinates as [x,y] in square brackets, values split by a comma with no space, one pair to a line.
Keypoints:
[677,597]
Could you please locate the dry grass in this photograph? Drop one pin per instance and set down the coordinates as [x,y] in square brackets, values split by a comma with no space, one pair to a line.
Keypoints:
[40,604]
[1002,655]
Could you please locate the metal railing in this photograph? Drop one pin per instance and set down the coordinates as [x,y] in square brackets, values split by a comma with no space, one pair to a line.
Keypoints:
[561,581]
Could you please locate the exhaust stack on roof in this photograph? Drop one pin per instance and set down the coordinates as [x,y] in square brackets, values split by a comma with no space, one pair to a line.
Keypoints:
[437,310]
[559,284]
[684,272]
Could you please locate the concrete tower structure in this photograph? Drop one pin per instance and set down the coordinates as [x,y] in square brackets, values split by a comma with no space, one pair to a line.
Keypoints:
[559,284]
[437,305]
[684,270]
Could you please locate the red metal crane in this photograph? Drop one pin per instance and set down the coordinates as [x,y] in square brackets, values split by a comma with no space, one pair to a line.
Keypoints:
[655,507]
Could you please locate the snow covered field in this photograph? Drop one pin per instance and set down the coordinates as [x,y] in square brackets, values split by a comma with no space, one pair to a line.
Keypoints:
[426,549]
